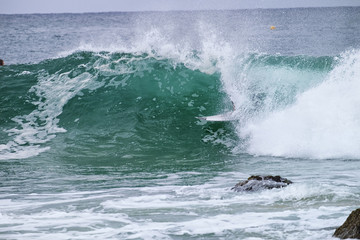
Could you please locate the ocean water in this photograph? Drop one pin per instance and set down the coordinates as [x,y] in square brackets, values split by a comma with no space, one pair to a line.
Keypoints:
[99,137]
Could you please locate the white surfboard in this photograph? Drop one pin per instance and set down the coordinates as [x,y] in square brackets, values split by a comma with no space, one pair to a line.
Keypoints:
[225,117]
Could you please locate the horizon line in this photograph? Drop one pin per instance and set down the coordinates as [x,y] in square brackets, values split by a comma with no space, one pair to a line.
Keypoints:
[180,10]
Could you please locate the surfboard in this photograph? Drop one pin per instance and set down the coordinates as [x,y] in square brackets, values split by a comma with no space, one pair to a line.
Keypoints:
[225,117]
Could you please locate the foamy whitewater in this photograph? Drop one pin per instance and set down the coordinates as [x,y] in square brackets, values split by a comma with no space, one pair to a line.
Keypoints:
[99,137]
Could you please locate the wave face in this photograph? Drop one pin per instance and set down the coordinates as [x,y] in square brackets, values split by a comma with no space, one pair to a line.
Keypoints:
[134,105]
[105,104]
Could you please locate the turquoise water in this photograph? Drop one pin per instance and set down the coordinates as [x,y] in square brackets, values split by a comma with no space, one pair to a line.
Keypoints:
[99,136]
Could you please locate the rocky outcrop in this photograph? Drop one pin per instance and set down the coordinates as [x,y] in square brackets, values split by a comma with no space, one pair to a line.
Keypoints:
[351,227]
[256,183]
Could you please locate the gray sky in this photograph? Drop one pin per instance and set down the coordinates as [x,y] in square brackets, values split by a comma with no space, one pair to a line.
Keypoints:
[79,6]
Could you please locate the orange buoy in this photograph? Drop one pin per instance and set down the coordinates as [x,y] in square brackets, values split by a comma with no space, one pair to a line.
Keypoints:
[272,27]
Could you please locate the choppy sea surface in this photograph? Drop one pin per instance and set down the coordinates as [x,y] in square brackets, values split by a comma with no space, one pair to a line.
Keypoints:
[99,137]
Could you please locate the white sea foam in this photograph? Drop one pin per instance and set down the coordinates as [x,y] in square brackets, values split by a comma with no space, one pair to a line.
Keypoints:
[168,211]
[323,123]
[41,125]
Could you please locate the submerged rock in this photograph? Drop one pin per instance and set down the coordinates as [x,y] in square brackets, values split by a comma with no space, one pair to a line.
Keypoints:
[256,183]
[351,227]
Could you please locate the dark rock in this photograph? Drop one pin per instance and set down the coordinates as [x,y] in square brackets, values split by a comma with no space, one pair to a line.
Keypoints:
[351,227]
[256,183]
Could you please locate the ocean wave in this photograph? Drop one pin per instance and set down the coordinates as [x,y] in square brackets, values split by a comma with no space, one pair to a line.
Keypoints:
[126,103]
